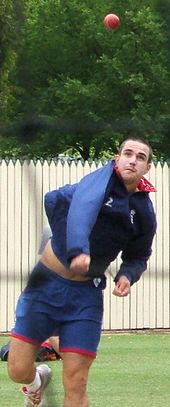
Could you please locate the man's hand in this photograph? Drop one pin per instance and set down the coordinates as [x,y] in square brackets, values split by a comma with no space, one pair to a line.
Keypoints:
[122,287]
[80,264]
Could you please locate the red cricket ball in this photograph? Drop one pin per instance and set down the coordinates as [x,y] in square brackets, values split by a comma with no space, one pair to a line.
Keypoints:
[111,21]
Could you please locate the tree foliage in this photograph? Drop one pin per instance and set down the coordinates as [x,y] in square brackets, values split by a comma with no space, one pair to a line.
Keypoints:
[11,18]
[90,87]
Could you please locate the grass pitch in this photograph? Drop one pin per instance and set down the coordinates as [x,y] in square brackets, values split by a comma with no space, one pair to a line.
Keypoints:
[130,370]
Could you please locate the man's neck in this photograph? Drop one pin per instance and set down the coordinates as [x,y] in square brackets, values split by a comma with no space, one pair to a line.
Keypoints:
[131,188]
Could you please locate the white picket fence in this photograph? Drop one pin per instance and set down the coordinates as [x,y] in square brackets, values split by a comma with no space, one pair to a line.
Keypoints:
[22,217]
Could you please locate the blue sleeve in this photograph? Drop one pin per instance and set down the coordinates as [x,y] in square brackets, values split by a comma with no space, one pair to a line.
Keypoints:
[57,203]
[84,209]
[136,255]
[72,210]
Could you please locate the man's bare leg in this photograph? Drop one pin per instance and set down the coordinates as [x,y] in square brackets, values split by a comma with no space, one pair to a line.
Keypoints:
[21,358]
[75,375]
[22,369]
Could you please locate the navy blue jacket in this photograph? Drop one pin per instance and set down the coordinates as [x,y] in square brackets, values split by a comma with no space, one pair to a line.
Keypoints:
[98,216]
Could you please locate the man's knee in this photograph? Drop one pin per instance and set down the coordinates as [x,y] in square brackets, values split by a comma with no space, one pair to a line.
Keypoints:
[19,372]
[76,381]
[76,369]
[21,361]
[75,386]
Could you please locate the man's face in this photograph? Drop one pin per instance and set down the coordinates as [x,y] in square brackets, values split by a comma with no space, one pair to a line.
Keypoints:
[132,162]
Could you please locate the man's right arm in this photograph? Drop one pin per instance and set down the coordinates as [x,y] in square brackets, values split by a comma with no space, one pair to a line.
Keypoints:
[80,264]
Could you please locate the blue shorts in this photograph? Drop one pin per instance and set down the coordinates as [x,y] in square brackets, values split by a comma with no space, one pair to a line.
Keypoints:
[51,305]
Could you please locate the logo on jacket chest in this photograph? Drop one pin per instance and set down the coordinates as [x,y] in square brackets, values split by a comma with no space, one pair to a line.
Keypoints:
[132,214]
[109,203]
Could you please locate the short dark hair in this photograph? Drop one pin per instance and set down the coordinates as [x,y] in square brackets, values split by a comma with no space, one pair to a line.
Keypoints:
[141,140]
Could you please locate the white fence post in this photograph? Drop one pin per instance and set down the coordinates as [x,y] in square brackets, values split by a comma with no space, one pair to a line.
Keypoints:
[22,216]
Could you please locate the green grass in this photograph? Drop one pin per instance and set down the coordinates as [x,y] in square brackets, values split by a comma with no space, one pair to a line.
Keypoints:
[130,370]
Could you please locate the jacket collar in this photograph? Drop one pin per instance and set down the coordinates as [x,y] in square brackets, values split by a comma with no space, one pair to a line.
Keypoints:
[145,185]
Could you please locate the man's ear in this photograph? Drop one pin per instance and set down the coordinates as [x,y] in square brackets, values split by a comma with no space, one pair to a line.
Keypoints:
[116,158]
[148,167]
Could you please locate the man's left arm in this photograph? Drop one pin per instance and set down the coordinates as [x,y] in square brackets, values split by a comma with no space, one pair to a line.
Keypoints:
[135,258]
